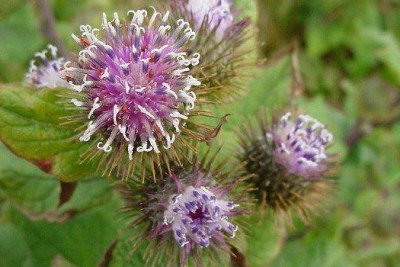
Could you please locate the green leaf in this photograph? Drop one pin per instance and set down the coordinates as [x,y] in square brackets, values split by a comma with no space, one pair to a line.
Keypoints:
[14,250]
[265,241]
[318,246]
[81,241]
[89,194]
[387,50]
[25,186]
[30,125]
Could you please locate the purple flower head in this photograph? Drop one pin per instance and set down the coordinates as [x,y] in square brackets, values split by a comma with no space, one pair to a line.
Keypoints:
[300,145]
[134,81]
[217,13]
[289,167]
[189,209]
[197,215]
[45,69]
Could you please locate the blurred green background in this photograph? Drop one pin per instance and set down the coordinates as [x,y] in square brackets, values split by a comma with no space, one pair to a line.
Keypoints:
[339,60]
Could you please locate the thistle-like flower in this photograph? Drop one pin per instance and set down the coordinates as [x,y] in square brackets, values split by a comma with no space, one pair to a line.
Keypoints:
[134,83]
[218,13]
[189,211]
[45,68]
[223,41]
[290,164]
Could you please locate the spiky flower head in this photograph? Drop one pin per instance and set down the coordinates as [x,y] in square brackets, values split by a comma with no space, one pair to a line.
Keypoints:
[225,43]
[300,145]
[289,162]
[134,82]
[218,12]
[45,68]
[187,212]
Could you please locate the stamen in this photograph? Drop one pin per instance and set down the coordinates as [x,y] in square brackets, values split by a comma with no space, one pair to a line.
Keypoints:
[96,105]
[122,130]
[144,111]
[127,87]
[168,90]
[116,110]
[152,141]
[176,114]
[153,17]
[106,74]
[107,146]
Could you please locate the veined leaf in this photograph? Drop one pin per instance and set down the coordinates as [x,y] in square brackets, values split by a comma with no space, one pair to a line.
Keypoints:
[25,186]
[30,125]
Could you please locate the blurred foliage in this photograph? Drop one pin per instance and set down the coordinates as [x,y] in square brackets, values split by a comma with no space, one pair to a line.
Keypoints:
[348,56]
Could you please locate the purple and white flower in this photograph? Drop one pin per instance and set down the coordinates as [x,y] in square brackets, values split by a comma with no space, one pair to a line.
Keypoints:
[289,165]
[300,145]
[45,68]
[197,215]
[189,209]
[217,13]
[134,80]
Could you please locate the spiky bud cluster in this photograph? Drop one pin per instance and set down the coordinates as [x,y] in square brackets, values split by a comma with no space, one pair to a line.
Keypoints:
[290,166]
[45,68]
[189,210]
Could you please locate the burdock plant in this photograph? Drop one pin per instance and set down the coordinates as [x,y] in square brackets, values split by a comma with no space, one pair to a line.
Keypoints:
[290,164]
[134,96]
[134,88]
[190,213]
